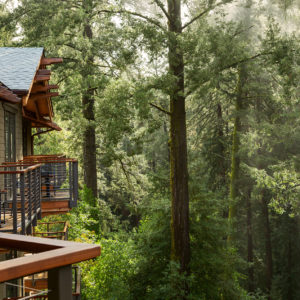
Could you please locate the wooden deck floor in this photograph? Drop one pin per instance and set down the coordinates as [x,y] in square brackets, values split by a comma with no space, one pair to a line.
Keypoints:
[8,226]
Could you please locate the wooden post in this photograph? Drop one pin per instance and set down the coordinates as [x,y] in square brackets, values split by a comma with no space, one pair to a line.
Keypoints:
[60,283]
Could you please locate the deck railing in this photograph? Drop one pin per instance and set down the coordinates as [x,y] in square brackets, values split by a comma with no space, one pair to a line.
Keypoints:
[54,256]
[52,230]
[20,200]
[59,177]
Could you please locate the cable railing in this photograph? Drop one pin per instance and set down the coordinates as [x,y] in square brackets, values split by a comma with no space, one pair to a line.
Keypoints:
[20,199]
[55,257]
[59,177]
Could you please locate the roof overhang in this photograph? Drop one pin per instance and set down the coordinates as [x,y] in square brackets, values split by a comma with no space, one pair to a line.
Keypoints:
[42,122]
[7,95]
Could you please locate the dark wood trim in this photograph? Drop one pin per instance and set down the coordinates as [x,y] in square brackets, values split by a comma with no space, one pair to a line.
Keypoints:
[50,254]
[40,96]
[50,61]
[41,77]
[43,72]
[41,88]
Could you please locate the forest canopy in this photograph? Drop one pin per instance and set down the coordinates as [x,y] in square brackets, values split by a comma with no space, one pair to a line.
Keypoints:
[184,117]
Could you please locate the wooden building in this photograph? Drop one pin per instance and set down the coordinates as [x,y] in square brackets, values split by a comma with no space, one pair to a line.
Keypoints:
[32,186]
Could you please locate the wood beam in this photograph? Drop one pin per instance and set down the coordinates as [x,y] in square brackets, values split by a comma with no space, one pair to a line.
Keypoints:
[49,61]
[40,96]
[41,77]
[43,72]
[51,254]
[43,122]
[37,110]
[41,88]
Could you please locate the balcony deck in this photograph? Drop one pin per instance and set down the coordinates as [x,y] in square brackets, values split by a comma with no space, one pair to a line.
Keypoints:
[35,187]
[20,203]
[54,256]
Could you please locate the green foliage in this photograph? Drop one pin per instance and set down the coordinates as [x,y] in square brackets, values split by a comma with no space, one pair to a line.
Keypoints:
[128,77]
[106,277]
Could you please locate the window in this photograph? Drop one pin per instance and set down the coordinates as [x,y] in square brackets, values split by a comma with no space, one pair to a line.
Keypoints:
[10,135]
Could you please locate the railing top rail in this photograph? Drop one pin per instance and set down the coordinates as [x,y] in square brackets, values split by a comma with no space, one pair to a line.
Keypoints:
[39,161]
[45,155]
[50,254]
[50,160]
[58,222]
[20,171]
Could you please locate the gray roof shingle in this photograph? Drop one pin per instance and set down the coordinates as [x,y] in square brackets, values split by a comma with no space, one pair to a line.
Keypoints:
[18,66]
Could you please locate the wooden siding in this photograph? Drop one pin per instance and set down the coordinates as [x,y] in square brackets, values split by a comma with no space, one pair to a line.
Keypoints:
[19,139]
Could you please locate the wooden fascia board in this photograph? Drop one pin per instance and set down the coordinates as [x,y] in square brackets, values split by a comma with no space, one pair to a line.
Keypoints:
[25,99]
[8,95]
[50,254]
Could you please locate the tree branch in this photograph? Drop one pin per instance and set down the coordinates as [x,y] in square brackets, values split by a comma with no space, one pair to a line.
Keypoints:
[125,172]
[161,6]
[200,15]
[242,61]
[160,108]
[123,11]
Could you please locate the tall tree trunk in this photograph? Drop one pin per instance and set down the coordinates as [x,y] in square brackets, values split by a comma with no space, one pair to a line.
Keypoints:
[250,243]
[89,135]
[180,248]
[221,147]
[291,234]
[235,156]
[268,243]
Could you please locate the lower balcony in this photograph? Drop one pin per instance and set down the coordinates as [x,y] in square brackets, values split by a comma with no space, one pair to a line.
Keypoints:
[58,181]
[20,197]
[55,257]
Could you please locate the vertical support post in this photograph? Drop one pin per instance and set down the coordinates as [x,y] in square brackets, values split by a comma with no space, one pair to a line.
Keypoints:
[14,202]
[70,185]
[39,193]
[34,197]
[4,206]
[0,210]
[23,215]
[60,283]
[29,174]
[75,182]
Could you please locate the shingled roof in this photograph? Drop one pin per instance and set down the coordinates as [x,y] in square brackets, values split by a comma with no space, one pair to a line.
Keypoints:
[18,67]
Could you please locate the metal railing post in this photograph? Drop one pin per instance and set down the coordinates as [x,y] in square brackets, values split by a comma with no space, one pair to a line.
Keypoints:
[22,194]
[39,195]
[75,182]
[14,203]
[70,185]
[29,174]
[34,197]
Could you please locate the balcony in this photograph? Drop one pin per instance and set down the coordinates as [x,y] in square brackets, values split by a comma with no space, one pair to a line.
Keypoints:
[59,182]
[20,197]
[54,256]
